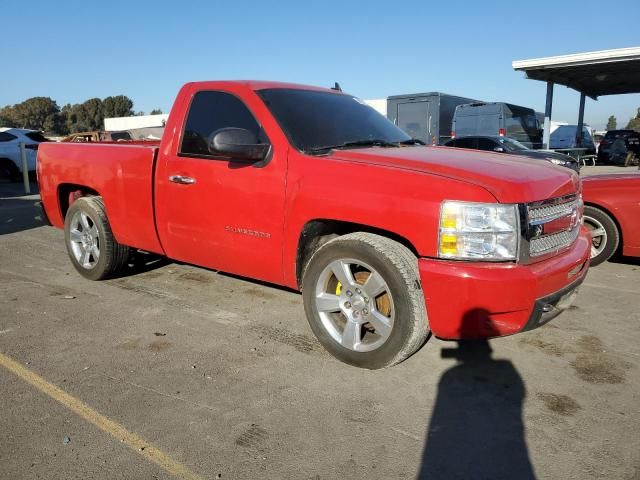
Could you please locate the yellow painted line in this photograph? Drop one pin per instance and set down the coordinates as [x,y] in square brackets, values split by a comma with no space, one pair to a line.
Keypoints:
[133,441]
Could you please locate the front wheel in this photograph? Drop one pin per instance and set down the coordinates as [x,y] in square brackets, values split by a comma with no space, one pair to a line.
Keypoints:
[363,300]
[92,248]
[604,234]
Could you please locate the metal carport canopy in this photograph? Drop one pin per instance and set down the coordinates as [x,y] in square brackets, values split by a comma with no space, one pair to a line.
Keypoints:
[605,72]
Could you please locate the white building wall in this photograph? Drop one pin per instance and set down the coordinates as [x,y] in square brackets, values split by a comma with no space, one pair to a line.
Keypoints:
[129,123]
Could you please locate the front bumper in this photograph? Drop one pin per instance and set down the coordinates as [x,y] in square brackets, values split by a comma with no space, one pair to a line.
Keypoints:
[480,300]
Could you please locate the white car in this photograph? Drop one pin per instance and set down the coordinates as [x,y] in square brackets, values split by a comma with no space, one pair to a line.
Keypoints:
[10,139]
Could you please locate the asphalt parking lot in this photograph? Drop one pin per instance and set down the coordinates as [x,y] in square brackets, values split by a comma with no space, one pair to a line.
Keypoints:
[180,371]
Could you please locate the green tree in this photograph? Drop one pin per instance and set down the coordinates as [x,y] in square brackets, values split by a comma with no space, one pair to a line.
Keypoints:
[612,123]
[37,113]
[118,106]
[42,113]
[156,111]
[6,118]
[634,123]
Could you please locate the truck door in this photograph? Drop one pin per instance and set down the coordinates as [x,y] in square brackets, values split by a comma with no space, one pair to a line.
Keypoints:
[414,119]
[218,212]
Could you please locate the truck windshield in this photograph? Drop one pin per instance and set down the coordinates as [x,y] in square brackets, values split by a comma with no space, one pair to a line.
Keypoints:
[316,121]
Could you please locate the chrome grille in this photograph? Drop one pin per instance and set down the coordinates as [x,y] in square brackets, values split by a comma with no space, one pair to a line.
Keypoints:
[546,213]
[553,225]
[555,241]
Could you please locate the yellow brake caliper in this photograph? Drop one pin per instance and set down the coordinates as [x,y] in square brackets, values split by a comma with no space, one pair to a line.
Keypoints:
[382,303]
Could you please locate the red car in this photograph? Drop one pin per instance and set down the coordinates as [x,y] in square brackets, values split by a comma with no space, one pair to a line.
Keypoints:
[612,214]
[307,187]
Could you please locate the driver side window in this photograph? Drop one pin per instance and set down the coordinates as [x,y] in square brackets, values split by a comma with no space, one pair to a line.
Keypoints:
[210,111]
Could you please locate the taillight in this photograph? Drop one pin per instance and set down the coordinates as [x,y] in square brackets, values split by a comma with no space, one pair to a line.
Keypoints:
[453,134]
[433,140]
[501,132]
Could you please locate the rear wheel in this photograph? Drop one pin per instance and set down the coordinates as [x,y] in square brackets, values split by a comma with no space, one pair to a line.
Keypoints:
[605,237]
[9,170]
[363,300]
[92,248]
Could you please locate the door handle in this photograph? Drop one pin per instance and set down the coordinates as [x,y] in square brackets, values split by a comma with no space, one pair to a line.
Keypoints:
[181,179]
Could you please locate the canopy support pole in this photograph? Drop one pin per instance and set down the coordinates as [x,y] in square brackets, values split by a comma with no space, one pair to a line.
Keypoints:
[579,132]
[547,116]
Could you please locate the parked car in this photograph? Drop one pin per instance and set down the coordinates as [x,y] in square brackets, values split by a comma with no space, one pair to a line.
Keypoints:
[97,136]
[565,137]
[611,213]
[10,161]
[312,189]
[617,144]
[498,118]
[508,145]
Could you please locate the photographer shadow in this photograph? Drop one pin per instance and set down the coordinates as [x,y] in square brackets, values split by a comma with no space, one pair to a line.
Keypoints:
[476,429]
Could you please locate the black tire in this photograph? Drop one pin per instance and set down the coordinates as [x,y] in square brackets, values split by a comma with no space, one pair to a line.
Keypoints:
[603,249]
[398,267]
[113,257]
[9,170]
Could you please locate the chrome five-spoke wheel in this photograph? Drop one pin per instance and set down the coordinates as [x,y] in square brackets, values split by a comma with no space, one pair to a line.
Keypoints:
[355,304]
[605,236]
[598,236]
[84,240]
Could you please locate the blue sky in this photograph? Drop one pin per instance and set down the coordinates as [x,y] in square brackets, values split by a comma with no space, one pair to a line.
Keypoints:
[76,50]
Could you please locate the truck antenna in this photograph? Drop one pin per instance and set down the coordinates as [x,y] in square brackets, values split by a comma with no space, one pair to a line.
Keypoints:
[336,87]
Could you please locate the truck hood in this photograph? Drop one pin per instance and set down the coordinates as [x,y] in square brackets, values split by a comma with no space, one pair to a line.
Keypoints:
[510,180]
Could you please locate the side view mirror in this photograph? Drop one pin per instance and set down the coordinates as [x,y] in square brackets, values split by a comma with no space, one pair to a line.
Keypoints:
[237,143]
[498,149]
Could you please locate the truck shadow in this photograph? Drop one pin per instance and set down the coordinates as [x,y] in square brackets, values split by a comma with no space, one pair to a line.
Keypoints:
[141,262]
[625,260]
[19,211]
[476,429]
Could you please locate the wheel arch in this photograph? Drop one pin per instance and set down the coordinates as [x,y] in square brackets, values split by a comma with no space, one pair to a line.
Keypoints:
[69,192]
[318,231]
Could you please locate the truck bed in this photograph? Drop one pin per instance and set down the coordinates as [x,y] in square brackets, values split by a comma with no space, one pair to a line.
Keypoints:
[122,173]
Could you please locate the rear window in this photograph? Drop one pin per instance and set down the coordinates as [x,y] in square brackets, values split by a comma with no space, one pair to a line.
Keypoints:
[6,137]
[36,136]
[117,136]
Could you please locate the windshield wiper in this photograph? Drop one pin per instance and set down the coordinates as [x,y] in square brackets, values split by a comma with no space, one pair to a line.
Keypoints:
[374,142]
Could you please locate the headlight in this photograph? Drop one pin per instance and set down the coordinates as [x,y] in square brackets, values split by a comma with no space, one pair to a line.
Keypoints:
[558,161]
[478,231]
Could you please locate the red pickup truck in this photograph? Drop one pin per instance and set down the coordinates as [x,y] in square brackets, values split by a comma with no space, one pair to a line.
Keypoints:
[388,240]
